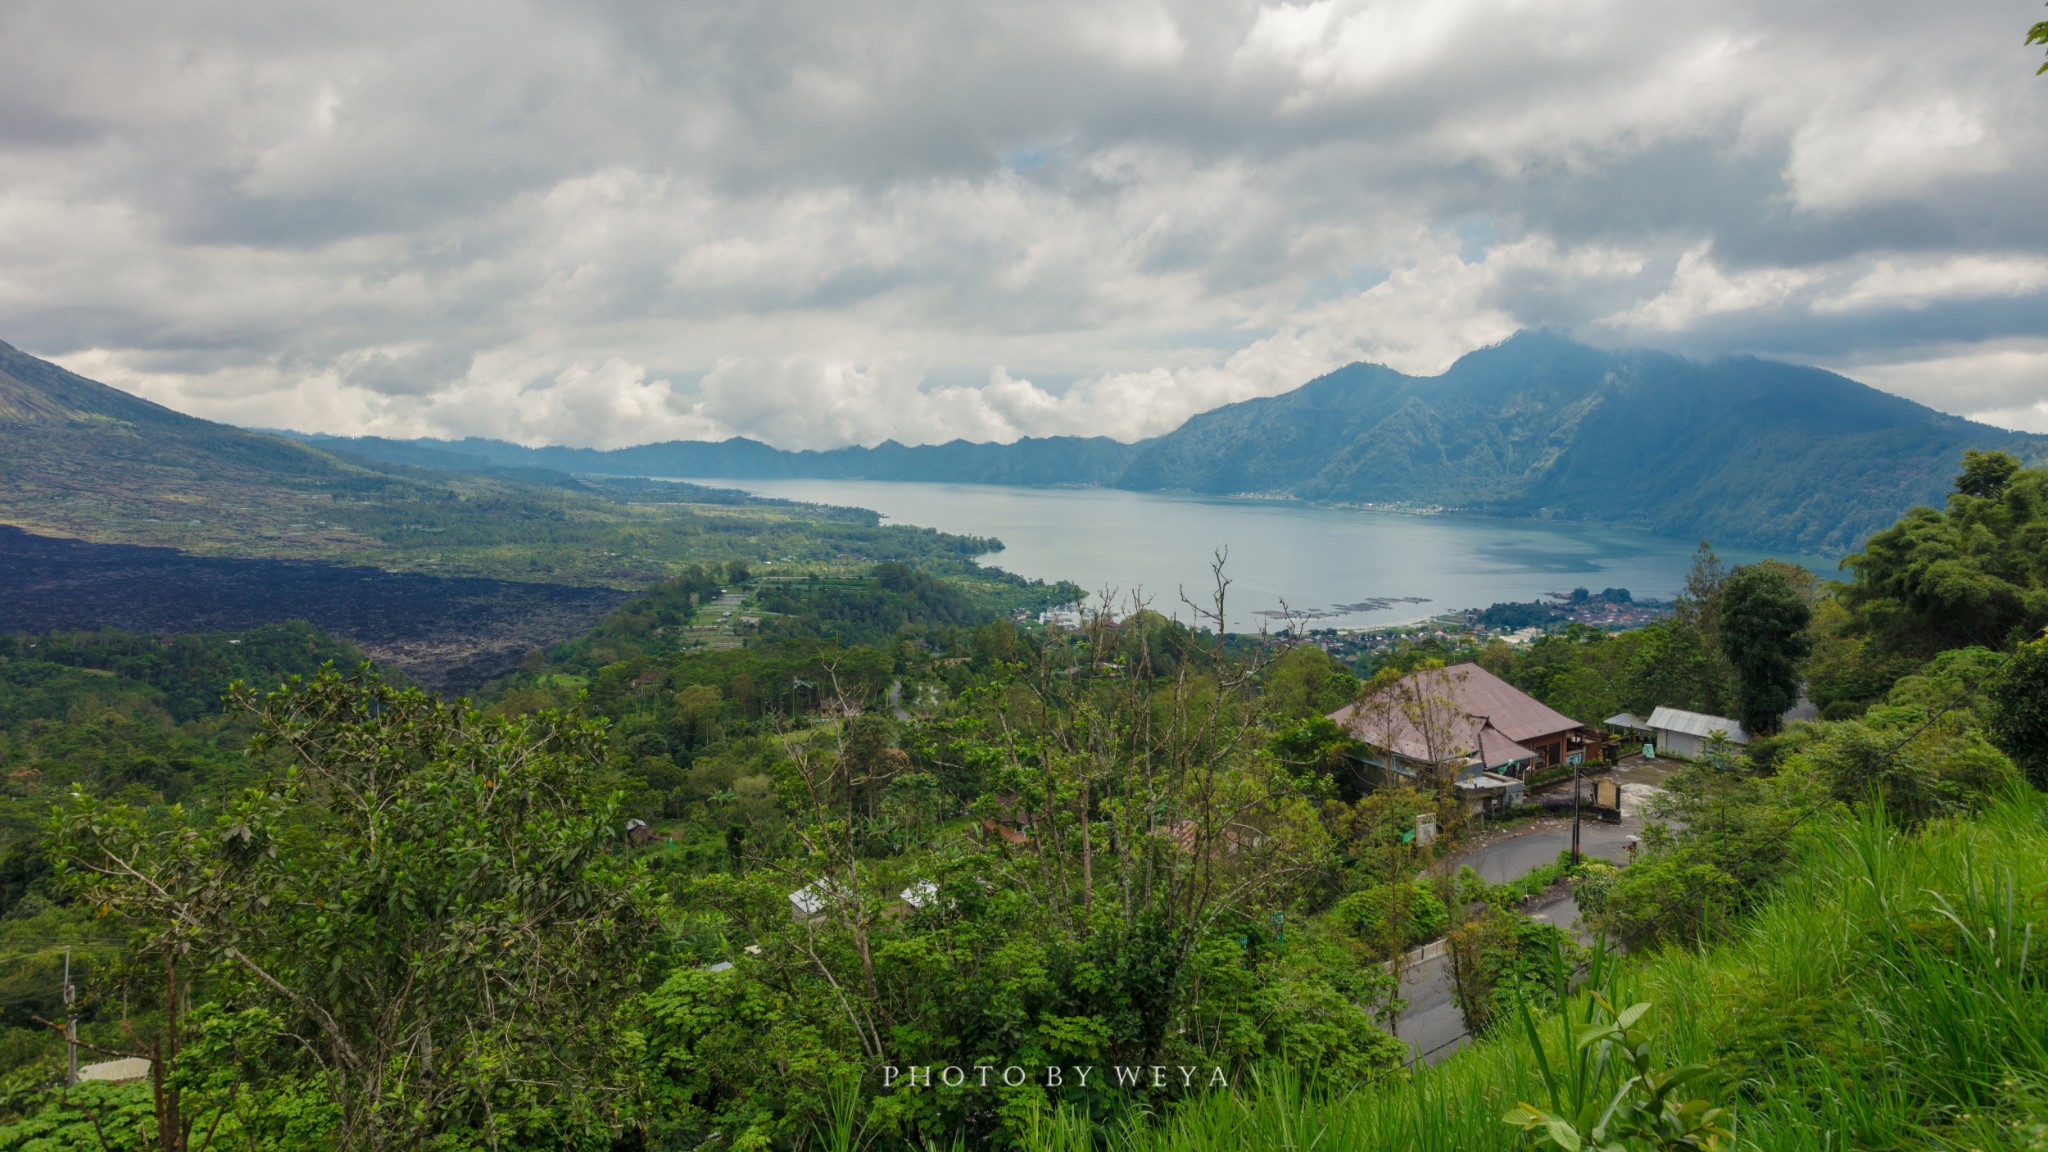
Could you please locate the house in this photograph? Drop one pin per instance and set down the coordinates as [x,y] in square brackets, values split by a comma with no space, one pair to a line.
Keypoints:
[638,833]
[1485,732]
[1681,733]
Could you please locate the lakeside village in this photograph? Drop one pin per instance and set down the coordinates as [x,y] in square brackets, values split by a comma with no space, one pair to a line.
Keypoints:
[1516,623]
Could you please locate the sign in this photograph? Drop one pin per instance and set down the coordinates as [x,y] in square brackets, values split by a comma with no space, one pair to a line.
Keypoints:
[1606,794]
[1425,828]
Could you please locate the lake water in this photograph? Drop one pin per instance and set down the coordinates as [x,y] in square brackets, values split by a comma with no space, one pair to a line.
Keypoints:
[1352,568]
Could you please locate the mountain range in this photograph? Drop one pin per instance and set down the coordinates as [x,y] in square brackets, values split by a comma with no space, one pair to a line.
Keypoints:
[1738,450]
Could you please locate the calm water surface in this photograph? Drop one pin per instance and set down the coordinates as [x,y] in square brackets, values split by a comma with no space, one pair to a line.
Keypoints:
[1353,568]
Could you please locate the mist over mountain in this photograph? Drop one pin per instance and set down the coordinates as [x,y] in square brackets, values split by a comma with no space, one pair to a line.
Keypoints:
[1738,450]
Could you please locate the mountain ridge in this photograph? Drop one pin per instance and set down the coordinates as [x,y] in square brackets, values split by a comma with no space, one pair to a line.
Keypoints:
[1739,449]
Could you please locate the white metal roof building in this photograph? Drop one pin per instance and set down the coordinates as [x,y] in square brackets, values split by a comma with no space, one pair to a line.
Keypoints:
[1681,733]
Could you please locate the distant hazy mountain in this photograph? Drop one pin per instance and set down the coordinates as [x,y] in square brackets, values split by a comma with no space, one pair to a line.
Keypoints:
[1095,461]
[1737,450]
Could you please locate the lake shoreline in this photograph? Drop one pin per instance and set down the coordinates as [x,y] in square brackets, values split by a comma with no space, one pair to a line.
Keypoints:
[1353,569]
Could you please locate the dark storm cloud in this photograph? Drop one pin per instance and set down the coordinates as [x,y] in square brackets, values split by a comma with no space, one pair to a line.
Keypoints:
[843,222]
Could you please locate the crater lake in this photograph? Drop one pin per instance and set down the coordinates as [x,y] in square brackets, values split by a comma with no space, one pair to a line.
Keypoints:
[1340,567]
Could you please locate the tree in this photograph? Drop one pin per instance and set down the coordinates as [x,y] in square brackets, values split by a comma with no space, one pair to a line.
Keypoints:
[2038,34]
[1305,682]
[2019,710]
[428,900]
[1700,604]
[1974,573]
[1985,474]
[1763,633]
[1670,665]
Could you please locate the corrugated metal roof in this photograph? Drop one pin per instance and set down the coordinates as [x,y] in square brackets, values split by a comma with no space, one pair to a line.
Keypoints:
[1498,751]
[1696,724]
[1521,716]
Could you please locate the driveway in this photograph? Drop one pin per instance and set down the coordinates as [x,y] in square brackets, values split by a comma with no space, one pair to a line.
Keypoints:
[1432,1025]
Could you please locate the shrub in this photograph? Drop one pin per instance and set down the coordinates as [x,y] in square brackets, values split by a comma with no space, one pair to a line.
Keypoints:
[1373,913]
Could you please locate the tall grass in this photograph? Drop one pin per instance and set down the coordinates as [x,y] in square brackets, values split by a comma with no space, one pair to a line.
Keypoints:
[1892,994]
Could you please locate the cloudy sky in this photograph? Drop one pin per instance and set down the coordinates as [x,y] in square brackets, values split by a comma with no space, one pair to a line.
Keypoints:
[821,222]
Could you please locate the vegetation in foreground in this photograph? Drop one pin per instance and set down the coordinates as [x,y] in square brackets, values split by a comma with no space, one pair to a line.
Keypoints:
[399,923]
[1891,992]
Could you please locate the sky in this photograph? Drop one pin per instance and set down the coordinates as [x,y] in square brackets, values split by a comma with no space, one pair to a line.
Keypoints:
[826,222]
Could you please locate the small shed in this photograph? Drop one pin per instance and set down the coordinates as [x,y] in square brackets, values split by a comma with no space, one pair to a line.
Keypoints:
[638,833]
[1681,733]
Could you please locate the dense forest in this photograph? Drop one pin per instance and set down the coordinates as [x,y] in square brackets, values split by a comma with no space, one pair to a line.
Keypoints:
[726,871]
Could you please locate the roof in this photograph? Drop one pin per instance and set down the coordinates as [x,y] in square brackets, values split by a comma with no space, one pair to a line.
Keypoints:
[1483,715]
[1519,715]
[1625,720]
[812,898]
[128,1068]
[1496,749]
[1696,724]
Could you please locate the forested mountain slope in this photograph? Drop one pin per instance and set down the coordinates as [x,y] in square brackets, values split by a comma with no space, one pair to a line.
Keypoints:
[1737,450]
[1741,450]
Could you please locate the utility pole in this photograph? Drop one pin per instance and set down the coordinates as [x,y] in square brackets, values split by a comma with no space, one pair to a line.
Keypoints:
[1577,770]
[70,1025]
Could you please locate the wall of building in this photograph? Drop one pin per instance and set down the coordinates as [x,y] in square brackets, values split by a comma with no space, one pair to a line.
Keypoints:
[1670,743]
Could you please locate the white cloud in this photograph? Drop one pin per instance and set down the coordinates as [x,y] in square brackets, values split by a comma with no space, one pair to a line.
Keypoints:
[1894,283]
[1845,157]
[1700,289]
[836,223]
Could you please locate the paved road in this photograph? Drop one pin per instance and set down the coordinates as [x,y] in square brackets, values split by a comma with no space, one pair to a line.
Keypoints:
[1516,858]
[1432,1025]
